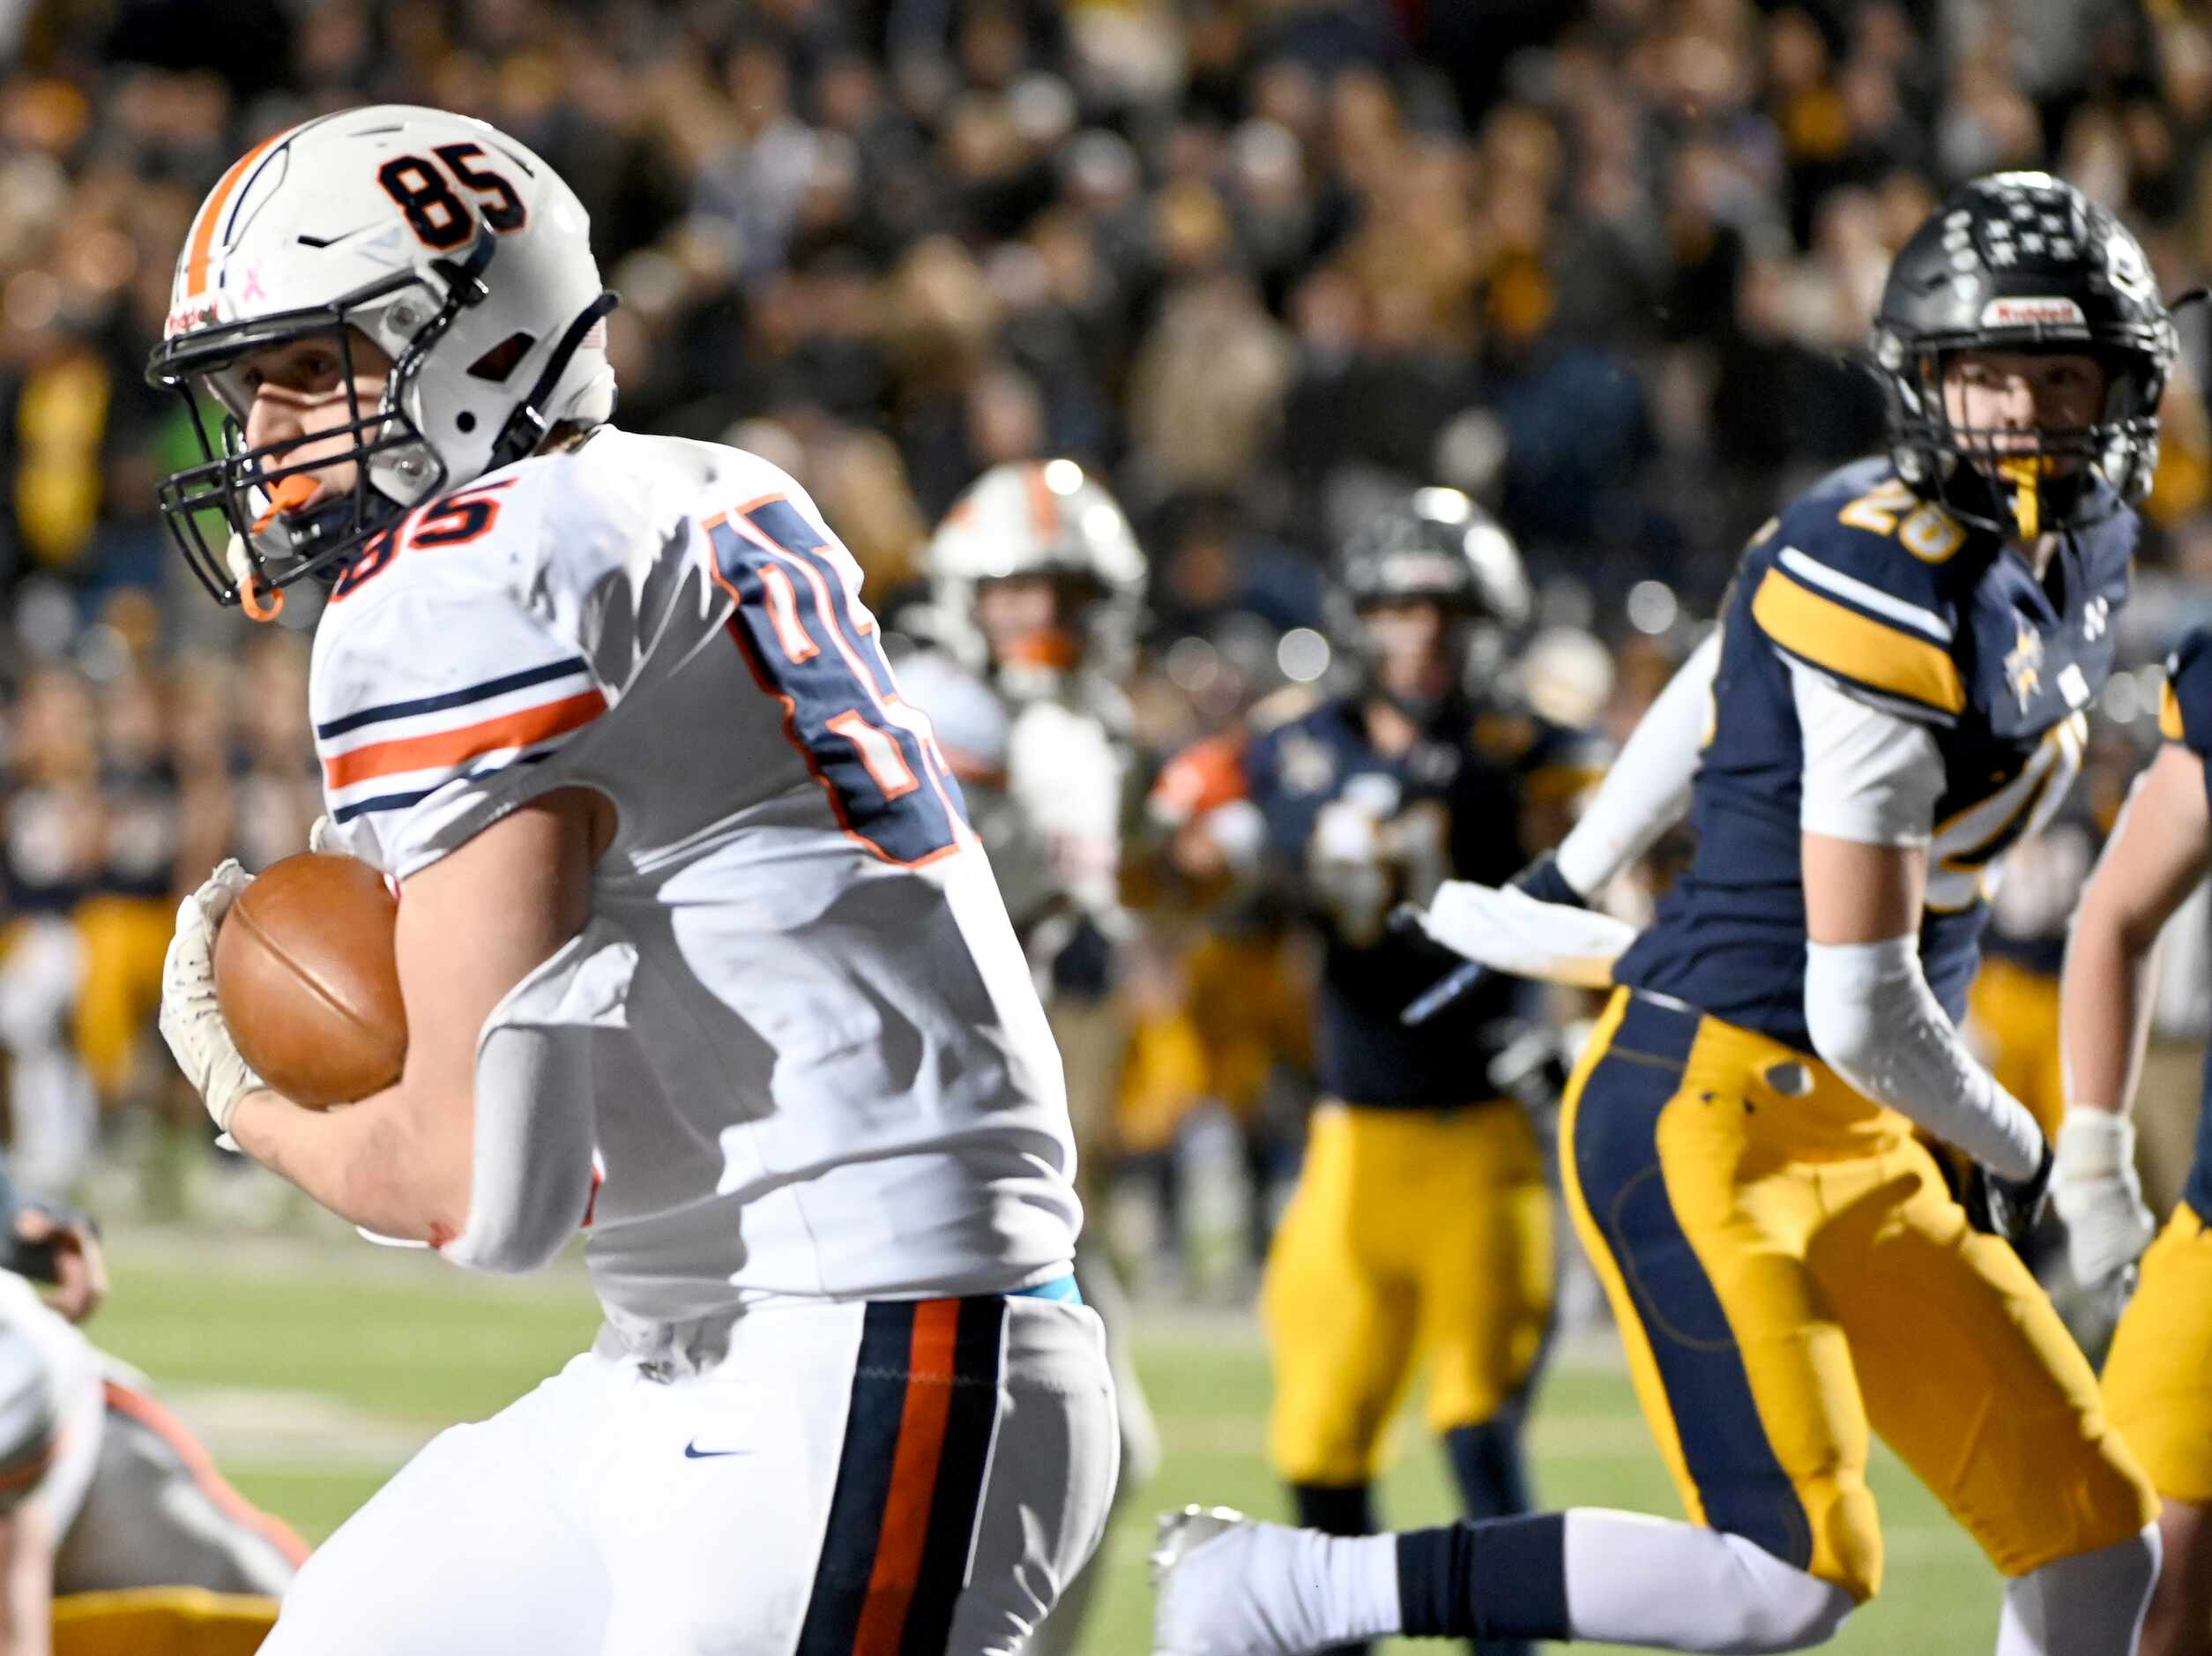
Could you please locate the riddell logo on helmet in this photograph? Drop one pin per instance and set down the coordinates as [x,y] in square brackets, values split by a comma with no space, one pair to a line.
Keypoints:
[191,317]
[2032,313]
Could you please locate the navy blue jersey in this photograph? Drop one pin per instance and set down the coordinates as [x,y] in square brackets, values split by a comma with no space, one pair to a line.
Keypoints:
[1358,832]
[1912,612]
[2184,715]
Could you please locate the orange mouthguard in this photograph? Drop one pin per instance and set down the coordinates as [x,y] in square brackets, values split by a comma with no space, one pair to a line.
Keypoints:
[290,495]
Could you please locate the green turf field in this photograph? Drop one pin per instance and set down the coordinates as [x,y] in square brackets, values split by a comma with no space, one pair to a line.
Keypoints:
[314,1370]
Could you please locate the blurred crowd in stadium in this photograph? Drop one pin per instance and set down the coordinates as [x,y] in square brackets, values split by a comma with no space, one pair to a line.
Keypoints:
[1260,264]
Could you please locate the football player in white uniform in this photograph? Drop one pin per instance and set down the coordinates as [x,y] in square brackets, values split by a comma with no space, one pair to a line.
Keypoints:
[116,1528]
[685,882]
[1035,583]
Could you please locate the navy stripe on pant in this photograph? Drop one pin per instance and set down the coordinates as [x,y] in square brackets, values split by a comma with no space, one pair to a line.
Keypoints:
[1742,1485]
[882,1377]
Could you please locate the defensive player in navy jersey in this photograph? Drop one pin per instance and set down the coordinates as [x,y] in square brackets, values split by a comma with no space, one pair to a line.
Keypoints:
[1895,698]
[1421,1225]
[2158,1376]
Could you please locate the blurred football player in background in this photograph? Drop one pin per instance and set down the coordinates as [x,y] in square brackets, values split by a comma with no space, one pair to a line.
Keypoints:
[118,1537]
[2158,1374]
[1036,584]
[1894,701]
[694,942]
[116,1527]
[50,863]
[1421,1227]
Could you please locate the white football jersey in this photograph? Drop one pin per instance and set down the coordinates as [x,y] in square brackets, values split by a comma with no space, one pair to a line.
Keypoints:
[53,1404]
[819,1064]
[1048,778]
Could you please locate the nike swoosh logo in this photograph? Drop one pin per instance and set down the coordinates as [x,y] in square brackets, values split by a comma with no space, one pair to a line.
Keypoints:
[692,1451]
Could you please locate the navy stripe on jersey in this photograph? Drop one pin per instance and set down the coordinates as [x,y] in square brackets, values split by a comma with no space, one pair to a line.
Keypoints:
[484,691]
[401,801]
[1743,1486]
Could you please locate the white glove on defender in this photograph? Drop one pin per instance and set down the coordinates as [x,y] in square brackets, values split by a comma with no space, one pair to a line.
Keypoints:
[1508,931]
[2095,1189]
[192,1022]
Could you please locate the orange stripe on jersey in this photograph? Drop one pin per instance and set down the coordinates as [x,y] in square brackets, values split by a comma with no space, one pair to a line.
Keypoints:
[922,1439]
[136,1405]
[203,233]
[454,747]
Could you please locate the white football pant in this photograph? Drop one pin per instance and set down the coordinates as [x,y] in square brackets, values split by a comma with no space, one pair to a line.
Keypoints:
[846,1479]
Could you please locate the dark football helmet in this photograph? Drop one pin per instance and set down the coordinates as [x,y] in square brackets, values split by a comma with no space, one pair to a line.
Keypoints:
[2024,262]
[1440,545]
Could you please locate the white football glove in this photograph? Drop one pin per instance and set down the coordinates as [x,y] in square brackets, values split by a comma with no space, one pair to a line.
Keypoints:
[2095,1189]
[192,1022]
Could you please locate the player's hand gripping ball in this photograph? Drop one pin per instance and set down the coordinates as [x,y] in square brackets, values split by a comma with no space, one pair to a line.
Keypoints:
[307,981]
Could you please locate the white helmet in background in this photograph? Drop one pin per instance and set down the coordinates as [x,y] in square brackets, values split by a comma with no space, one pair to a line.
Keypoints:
[454,247]
[1044,519]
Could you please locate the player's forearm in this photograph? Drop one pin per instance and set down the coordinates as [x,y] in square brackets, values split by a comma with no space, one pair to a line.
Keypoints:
[1874,1020]
[2156,857]
[2105,1010]
[386,1163]
[26,1580]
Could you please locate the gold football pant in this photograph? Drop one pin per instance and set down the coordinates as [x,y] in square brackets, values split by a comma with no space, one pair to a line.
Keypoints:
[2158,1375]
[1789,1271]
[1412,1233]
[2017,1012]
[161,1621]
[126,939]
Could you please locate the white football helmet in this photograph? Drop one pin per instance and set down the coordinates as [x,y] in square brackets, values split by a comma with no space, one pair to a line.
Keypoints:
[450,245]
[1039,518]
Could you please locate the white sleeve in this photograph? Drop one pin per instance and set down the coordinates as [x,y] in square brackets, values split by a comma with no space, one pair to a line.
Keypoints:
[1647,789]
[1874,777]
[530,1179]
[1878,1025]
[433,710]
[1869,776]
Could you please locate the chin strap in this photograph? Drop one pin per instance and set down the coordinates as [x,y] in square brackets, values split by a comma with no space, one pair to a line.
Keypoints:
[526,428]
[2025,475]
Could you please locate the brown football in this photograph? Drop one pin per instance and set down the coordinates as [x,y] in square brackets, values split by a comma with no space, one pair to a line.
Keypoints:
[305,974]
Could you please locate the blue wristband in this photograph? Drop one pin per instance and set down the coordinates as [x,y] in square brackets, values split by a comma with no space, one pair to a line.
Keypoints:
[1542,881]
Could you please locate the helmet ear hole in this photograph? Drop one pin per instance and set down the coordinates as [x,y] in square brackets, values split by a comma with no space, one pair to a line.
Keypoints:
[496,364]
[465,421]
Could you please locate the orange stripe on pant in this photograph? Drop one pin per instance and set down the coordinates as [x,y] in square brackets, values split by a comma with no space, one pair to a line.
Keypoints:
[155,1418]
[922,1437]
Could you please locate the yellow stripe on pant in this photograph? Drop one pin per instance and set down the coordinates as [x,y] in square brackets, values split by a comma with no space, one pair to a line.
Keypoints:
[1789,1272]
[1414,1234]
[2158,1375]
